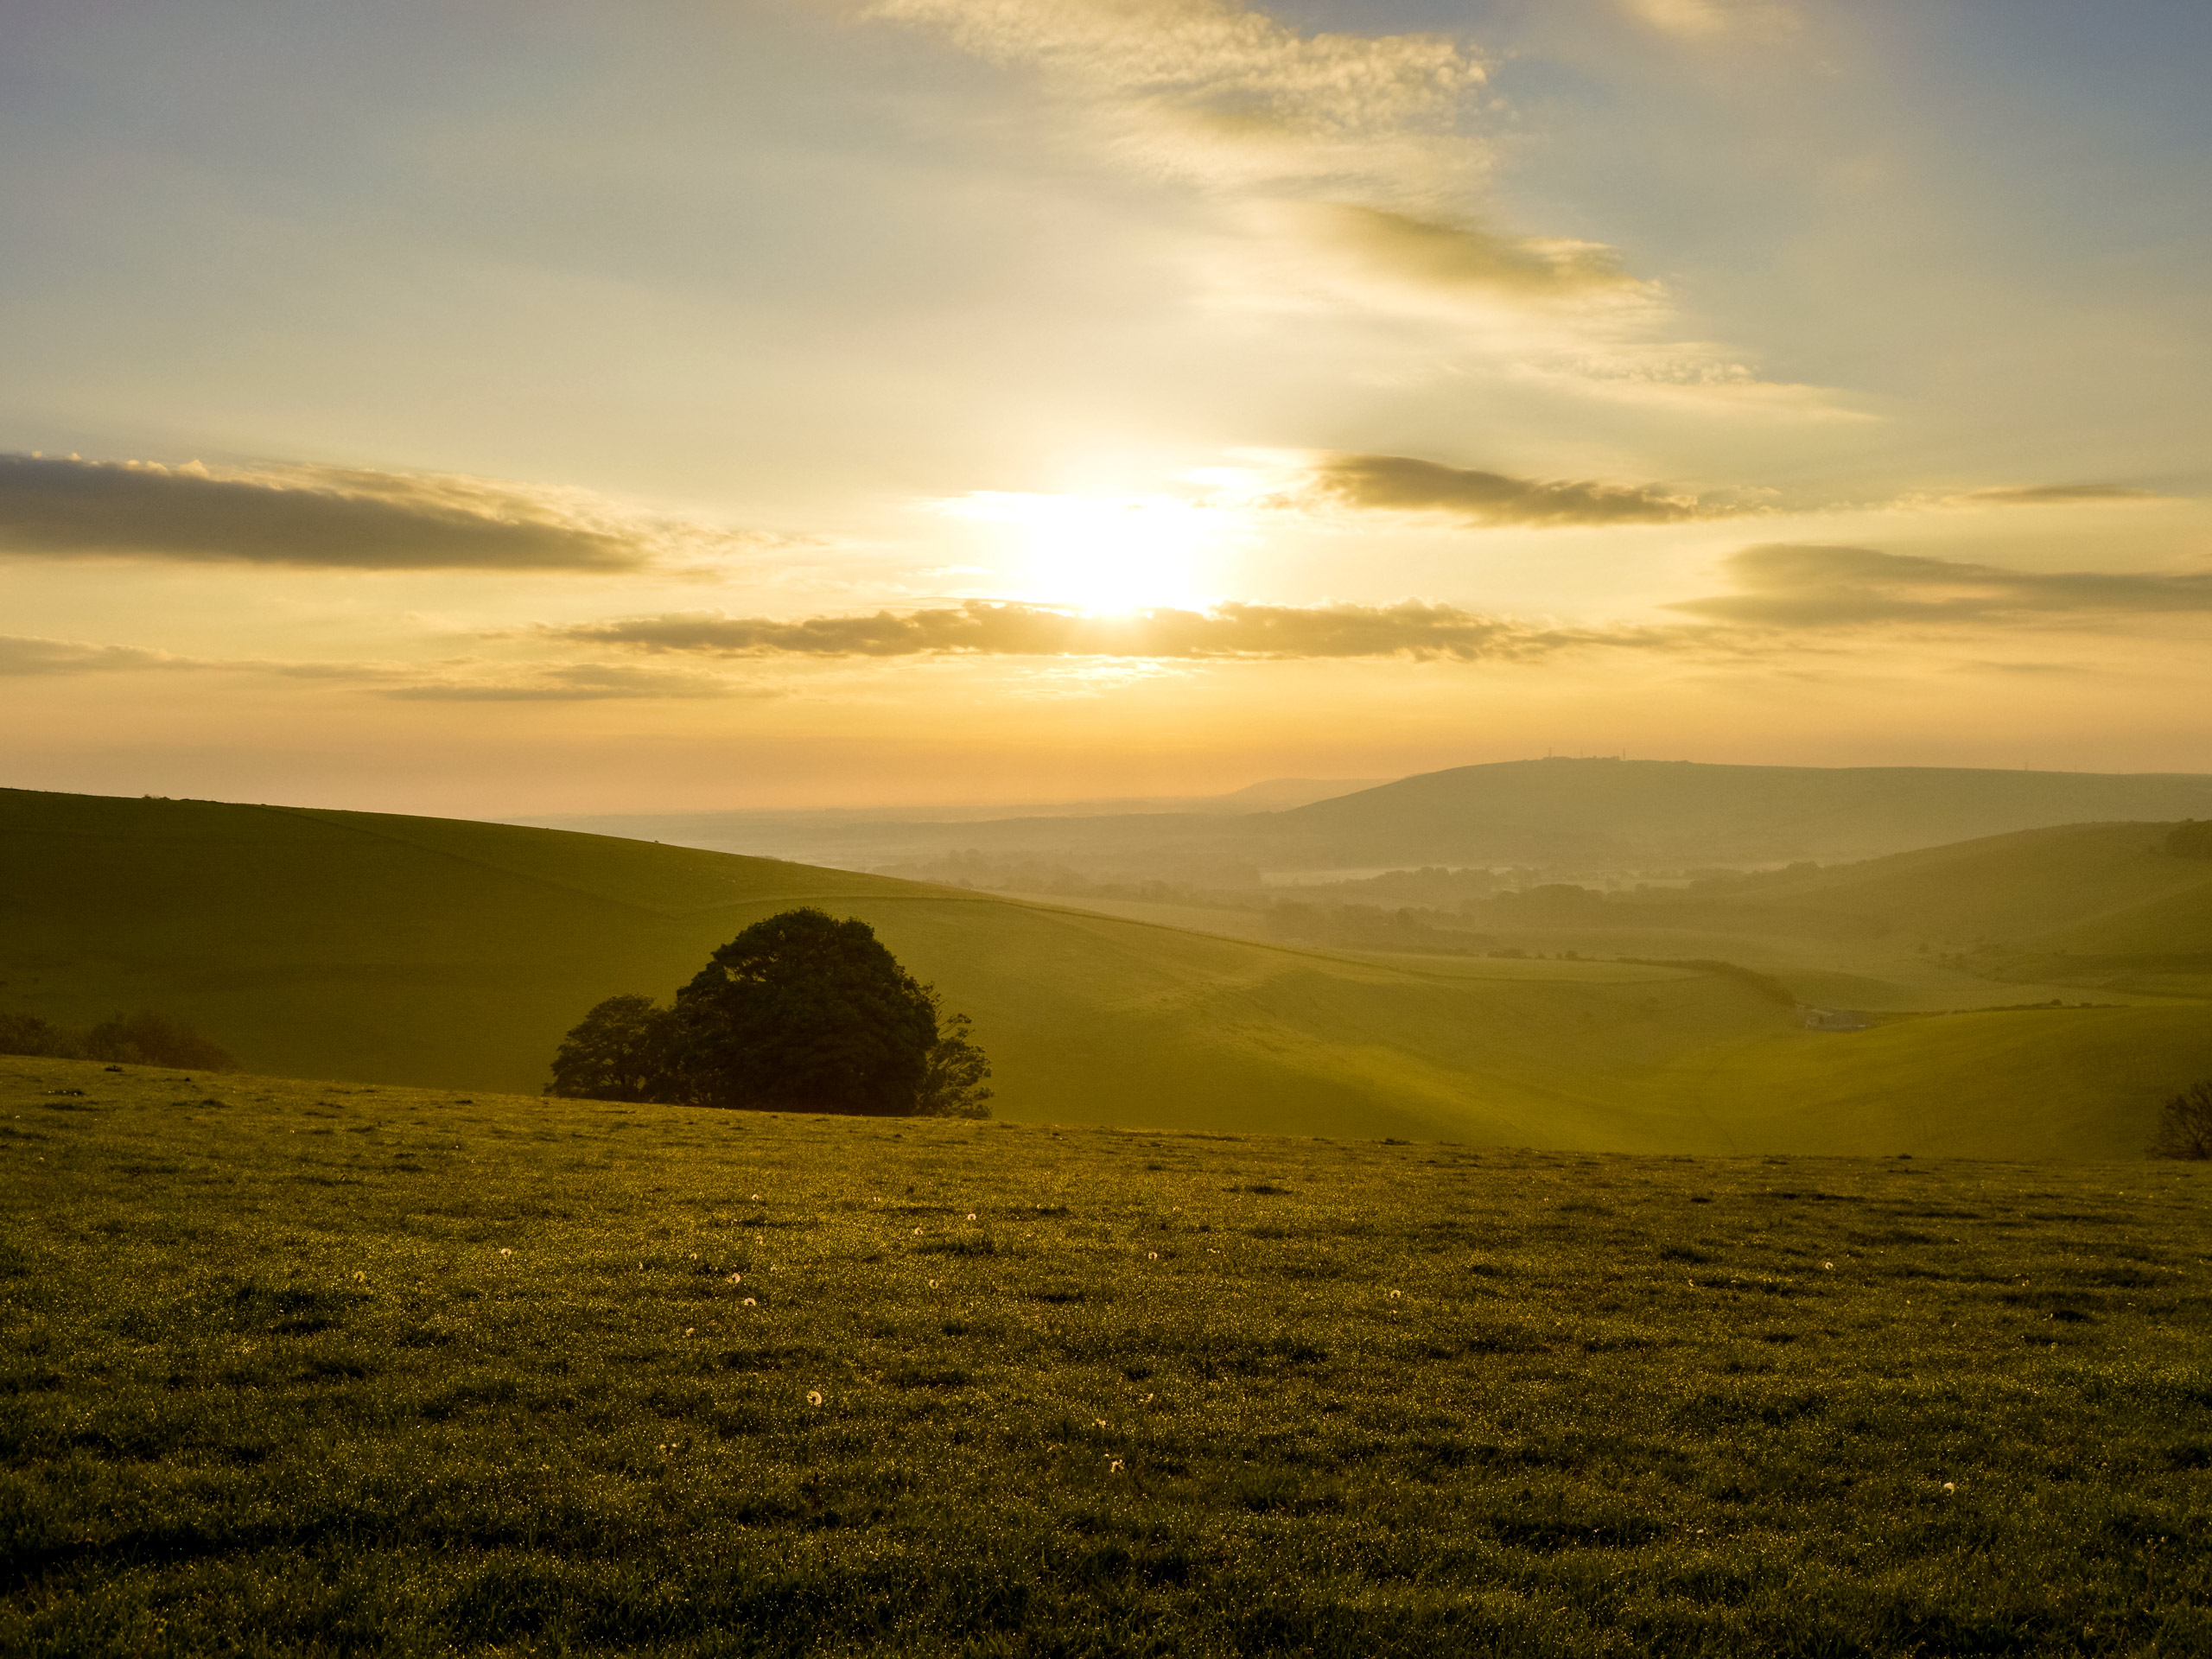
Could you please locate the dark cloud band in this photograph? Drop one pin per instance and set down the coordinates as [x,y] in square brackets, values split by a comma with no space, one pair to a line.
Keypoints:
[978,628]
[1404,484]
[2054,495]
[326,519]
[462,680]
[1791,585]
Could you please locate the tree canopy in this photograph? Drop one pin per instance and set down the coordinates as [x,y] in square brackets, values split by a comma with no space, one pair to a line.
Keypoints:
[2190,838]
[804,1012]
[619,1050]
[799,1013]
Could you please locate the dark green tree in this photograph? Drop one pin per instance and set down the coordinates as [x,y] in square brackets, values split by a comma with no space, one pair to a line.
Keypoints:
[804,1012]
[2185,1124]
[953,1083]
[624,1049]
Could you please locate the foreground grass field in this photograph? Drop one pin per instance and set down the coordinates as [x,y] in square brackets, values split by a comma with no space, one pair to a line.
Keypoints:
[302,1367]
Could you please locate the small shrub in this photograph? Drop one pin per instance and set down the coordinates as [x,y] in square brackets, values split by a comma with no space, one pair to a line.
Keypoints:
[954,1083]
[26,1033]
[142,1038]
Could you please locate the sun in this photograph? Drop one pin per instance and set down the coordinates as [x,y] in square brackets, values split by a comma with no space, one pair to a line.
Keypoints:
[1107,555]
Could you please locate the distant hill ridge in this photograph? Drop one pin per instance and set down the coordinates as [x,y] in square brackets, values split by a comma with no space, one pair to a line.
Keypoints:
[1685,810]
[1591,814]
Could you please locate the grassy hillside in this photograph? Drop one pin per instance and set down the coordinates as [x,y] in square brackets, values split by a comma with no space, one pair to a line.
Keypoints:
[432,951]
[2037,886]
[290,1368]
[429,950]
[2096,905]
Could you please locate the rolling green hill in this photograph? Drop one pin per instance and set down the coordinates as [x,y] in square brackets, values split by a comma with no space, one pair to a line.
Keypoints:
[1989,923]
[424,951]
[2087,905]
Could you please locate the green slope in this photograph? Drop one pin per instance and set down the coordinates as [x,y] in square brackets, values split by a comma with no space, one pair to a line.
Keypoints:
[2096,905]
[2035,885]
[425,950]
[1994,922]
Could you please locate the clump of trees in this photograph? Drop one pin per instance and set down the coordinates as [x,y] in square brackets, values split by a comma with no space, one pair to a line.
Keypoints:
[142,1038]
[2190,838]
[799,1013]
[2185,1124]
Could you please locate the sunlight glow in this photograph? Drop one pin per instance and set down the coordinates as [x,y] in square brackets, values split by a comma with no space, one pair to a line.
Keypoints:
[1108,554]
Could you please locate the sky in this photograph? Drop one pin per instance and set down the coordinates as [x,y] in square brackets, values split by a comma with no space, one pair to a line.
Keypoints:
[498,408]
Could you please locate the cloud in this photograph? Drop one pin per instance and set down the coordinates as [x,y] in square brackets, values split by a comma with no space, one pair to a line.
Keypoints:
[980,628]
[578,682]
[1711,19]
[1460,257]
[23,656]
[330,519]
[1359,147]
[1215,88]
[1401,484]
[1789,586]
[455,680]
[1698,377]
[2050,495]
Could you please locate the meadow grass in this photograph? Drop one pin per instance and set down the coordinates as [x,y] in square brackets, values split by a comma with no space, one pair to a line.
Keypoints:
[299,1368]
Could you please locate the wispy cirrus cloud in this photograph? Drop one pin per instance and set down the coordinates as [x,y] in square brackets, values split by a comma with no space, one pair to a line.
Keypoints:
[1406,484]
[1783,585]
[1719,19]
[336,518]
[982,628]
[1364,149]
[1222,92]
[574,682]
